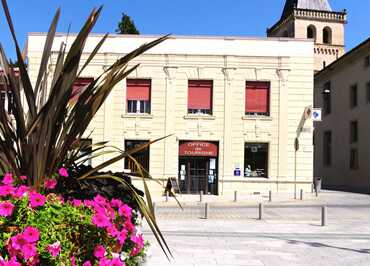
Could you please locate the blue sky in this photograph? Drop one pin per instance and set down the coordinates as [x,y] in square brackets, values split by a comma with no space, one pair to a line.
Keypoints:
[183,17]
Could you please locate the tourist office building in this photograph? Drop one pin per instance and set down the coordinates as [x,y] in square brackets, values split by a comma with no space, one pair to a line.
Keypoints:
[230,106]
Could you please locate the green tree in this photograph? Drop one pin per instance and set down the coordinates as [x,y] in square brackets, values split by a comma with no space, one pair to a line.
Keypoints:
[126,26]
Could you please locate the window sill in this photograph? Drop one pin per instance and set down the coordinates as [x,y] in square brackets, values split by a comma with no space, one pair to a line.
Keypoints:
[199,116]
[257,117]
[137,115]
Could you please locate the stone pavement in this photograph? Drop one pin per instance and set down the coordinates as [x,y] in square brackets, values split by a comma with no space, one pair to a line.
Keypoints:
[289,234]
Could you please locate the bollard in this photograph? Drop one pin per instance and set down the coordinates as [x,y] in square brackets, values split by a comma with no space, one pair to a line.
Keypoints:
[312,188]
[270,196]
[167,195]
[206,210]
[235,196]
[324,214]
[154,208]
[260,211]
[301,195]
[201,196]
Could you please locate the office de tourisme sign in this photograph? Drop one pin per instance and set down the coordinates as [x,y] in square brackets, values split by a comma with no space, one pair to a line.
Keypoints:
[198,148]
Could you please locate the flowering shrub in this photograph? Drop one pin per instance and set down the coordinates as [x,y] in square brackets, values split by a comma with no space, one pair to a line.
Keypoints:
[43,229]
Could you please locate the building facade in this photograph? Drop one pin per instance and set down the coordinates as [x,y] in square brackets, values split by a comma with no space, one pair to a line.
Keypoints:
[342,148]
[231,107]
[313,19]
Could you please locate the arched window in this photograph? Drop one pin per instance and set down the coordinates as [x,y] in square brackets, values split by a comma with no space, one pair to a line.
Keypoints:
[311,32]
[326,35]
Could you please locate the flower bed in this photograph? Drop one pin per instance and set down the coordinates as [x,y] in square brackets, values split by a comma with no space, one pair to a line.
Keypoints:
[44,229]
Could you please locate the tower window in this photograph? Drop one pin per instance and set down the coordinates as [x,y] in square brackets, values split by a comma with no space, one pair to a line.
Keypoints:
[311,32]
[326,35]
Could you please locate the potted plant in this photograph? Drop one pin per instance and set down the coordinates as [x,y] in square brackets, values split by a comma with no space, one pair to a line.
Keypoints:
[53,211]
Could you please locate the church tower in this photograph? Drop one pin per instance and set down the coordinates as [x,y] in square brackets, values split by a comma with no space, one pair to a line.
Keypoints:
[313,19]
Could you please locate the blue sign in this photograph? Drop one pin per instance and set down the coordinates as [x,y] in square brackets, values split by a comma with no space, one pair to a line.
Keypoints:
[237,172]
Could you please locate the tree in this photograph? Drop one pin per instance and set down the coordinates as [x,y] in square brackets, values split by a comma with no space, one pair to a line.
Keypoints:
[126,26]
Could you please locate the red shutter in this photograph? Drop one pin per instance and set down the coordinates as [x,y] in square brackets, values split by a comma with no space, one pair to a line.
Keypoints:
[200,94]
[78,85]
[257,97]
[138,89]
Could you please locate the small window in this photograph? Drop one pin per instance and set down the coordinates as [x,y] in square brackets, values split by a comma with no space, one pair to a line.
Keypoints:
[7,100]
[327,148]
[142,156]
[353,131]
[326,35]
[78,86]
[311,32]
[138,96]
[368,92]
[353,96]
[200,96]
[327,98]
[256,160]
[367,61]
[353,160]
[257,98]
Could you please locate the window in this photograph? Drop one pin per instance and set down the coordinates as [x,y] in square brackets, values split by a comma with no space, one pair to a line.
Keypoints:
[256,160]
[368,92]
[353,160]
[353,96]
[367,61]
[138,96]
[327,148]
[200,96]
[78,86]
[353,132]
[257,98]
[142,156]
[326,35]
[86,148]
[311,32]
[7,100]
[327,98]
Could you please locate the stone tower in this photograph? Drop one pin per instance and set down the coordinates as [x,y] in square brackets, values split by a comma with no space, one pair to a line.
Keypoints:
[313,19]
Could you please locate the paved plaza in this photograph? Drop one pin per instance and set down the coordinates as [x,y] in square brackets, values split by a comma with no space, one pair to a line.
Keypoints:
[290,232]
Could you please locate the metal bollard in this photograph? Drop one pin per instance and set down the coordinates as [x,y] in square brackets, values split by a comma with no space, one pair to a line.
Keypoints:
[206,210]
[167,195]
[270,196]
[235,196]
[324,215]
[301,195]
[312,188]
[260,211]
[201,196]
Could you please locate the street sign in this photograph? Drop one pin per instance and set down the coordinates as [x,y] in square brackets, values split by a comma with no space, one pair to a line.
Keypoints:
[316,115]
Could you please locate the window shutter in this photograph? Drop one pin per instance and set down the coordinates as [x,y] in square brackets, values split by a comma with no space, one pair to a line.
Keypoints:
[200,94]
[78,85]
[138,89]
[257,97]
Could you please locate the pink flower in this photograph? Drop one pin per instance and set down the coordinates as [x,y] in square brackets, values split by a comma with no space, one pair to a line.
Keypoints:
[76,203]
[19,192]
[6,208]
[117,262]
[87,203]
[100,200]
[139,244]
[121,237]
[99,251]
[18,241]
[100,220]
[112,231]
[50,183]
[37,200]
[54,249]
[63,172]
[13,262]
[104,262]
[29,251]
[8,179]
[125,211]
[116,203]
[23,177]
[6,190]
[87,263]
[31,234]
[73,261]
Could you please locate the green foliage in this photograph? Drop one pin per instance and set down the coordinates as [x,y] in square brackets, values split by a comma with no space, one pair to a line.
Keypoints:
[126,26]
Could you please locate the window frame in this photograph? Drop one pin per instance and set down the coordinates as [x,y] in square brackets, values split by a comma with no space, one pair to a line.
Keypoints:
[258,114]
[144,152]
[266,173]
[353,132]
[206,112]
[368,92]
[354,163]
[135,106]
[353,97]
[327,95]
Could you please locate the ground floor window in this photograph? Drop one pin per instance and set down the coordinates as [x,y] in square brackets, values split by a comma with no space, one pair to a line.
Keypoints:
[142,156]
[86,149]
[256,160]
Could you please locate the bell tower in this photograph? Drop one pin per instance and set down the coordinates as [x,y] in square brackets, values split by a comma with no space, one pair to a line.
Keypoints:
[316,20]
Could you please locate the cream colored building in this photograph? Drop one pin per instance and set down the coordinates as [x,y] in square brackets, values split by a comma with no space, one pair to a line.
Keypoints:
[208,146]
[316,20]
[342,146]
